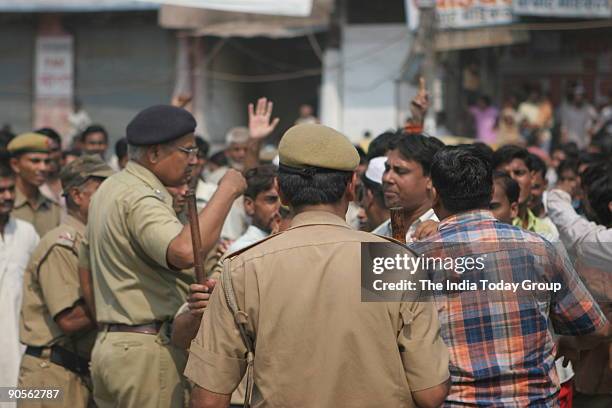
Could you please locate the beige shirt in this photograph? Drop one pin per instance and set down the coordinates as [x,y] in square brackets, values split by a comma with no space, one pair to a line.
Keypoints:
[131,224]
[317,343]
[51,285]
[44,215]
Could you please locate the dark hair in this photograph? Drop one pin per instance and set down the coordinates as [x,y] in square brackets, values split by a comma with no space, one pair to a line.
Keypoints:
[219,158]
[362,154]
[203,147]
[50,133]
[570,149]
[71,152]
[597,182]
[507,153]
[375,188]
[418,148]
[569,164]
[380,145]
[536,164]
[6,170]
[511,187]
[326,187]
[259,179]
[121,148]
[463,178]
[94,129]
[603,141]
[485,149]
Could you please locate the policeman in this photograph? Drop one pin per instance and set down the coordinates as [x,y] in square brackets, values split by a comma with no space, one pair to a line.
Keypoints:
[31,163]
[294,300]
[55,325]
[135,248]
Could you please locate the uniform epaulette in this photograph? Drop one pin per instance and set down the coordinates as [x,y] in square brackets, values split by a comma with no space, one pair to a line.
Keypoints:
[66,239]
[239,251]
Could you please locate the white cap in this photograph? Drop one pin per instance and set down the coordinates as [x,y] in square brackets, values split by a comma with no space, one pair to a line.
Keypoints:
[237,135]
[376,168]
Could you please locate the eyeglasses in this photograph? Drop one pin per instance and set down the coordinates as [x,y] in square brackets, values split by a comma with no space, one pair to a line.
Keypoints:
[189,151]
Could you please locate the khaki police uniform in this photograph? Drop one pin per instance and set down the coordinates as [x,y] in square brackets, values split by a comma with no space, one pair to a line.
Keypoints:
[131,224]
[51,285]
[44,215]
[316,343]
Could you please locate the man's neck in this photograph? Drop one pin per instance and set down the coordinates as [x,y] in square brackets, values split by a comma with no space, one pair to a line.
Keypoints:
[338,209]
[377,216]
[30,191]
[418,212]
[539,210]
[4,219]
[77,214]
[523,214]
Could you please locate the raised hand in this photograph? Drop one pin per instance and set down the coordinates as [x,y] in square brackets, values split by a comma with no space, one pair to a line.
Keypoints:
[420,104]
[260,125]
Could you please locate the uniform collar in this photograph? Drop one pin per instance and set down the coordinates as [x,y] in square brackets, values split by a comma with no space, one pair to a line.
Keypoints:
[75,223]
[21,200]
[317,218]
[149,179]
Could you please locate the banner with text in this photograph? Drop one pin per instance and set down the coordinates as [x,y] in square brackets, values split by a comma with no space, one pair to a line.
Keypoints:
[464,13]
[563,8]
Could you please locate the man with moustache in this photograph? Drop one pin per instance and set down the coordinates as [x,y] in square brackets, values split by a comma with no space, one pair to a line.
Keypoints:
[407,183]
[18,240]
[136,250]
[30,161]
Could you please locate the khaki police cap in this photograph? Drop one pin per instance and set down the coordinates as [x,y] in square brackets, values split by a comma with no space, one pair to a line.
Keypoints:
[311,146]
[78,171]
[29,143]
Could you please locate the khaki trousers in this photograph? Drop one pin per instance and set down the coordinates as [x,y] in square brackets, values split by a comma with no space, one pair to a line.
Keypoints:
[40,373]
[133,370]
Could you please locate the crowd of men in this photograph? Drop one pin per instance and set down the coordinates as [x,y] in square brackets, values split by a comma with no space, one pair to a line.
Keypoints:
[100,299]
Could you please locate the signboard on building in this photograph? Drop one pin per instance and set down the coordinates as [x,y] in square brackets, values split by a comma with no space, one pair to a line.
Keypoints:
[453,14]
[563,8]
[53,82]
[296,8]
[54,67]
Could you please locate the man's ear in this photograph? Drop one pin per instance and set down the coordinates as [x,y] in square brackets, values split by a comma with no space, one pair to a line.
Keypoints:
[435,197]
[153,153]
[429,186]
[249,206]
[75,195]
[282,197]
[350,188]
[13,162]
[514,209]
[610,206]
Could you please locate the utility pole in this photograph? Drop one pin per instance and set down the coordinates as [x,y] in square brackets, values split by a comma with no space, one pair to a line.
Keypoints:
[426,39]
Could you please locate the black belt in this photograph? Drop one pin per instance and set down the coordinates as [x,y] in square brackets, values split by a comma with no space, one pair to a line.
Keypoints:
[62,357]
[149,328]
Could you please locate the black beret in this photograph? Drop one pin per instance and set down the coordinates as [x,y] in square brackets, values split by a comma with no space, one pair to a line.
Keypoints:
[159,124]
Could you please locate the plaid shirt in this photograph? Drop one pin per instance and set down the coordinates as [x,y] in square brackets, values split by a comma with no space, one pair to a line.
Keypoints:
[501,345]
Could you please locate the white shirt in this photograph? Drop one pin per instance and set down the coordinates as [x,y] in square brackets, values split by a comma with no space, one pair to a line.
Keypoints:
[204,192]
[584,239]
[384,229]
[16,246]
[251,236]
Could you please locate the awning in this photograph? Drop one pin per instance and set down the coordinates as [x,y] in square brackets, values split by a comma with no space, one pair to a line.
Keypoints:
[202,22]
[46,6]
[294,8]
